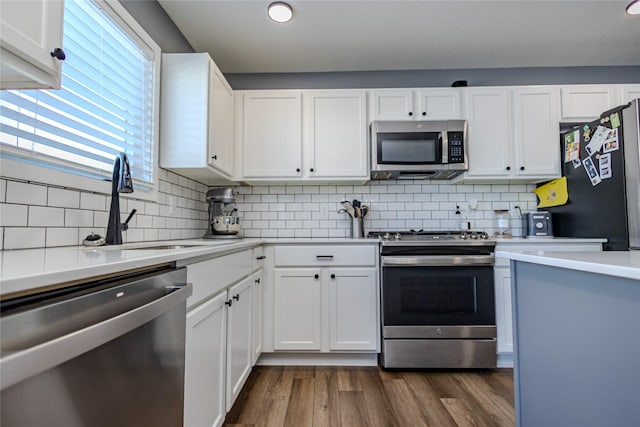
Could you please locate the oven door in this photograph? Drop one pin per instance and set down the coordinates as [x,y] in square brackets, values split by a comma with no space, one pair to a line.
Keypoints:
[422,298]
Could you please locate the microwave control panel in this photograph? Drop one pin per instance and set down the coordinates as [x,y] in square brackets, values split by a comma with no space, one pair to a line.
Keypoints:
[456,147]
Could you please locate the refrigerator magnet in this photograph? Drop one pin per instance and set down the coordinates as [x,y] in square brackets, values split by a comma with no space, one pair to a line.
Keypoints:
[597,140]
[615,120]
[571,146]
[604,164]
[611,143]
[591,171]
[576,163]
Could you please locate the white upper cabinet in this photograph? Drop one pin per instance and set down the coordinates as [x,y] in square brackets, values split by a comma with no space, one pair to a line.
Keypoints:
[536,133]
[513,134]
[272,134]
[489,129]
[335,137]
[587,102]
[304,136]
[630,92]
[196,127]
[30,31]
[418,104]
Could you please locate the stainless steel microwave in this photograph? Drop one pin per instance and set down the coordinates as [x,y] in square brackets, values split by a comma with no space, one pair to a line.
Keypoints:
[418,149]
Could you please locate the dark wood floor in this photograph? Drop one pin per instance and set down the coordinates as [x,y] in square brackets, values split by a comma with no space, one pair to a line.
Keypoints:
[371,396]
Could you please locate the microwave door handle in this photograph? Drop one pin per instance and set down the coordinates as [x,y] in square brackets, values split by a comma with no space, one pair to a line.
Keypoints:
[445,147]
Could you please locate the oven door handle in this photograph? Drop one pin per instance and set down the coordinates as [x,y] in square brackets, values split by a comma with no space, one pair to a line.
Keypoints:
[437,260]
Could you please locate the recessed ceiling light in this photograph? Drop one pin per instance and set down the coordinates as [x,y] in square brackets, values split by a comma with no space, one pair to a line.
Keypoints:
[280,11]
[634,8]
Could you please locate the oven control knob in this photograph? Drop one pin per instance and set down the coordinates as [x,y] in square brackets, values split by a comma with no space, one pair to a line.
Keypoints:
[439,331]
[484,235]
[474,235]
[386,236]
[397,236]
[464,235]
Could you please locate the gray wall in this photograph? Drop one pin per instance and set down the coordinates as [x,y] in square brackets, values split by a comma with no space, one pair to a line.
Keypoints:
[437,78]
[152,17]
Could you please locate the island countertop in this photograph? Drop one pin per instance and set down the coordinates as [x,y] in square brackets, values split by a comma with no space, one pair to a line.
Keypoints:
[624,264]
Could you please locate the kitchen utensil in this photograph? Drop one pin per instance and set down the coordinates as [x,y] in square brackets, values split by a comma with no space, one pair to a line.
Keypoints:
[349,207]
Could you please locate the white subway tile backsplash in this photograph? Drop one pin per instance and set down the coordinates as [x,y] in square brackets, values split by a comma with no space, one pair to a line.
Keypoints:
[12,215]
[25,193]
[63,198]
[96,202]
[41,216]
[78,218]
[3,191]
[24,237]
[62,236]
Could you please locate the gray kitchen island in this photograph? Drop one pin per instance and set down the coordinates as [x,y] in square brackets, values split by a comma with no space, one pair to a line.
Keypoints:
[576,332]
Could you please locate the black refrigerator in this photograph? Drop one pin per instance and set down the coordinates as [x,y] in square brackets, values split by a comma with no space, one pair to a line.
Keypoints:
[601,162]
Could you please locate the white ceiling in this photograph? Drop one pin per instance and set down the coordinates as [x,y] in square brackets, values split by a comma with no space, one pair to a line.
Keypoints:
[362,35]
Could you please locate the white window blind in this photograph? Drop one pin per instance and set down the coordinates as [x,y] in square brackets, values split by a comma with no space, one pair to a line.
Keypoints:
[105,105]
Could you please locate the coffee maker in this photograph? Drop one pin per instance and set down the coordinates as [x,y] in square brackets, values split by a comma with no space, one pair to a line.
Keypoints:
[223,222]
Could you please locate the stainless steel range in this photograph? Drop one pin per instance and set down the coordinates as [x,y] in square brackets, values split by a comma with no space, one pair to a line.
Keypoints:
[438,303]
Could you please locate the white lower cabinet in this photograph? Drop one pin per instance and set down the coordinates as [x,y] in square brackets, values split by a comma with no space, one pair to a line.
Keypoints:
[297,305]
[325,299]
[256,315]
[239,339]
[204,382]
[223,336]
[352,309]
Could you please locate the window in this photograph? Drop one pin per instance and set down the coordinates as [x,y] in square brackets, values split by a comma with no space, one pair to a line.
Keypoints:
[107,103]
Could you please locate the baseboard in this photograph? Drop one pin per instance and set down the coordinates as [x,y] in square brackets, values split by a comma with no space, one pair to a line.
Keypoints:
[505,360]
[324,359]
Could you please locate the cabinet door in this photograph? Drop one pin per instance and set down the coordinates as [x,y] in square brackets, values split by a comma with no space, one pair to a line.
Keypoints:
[536,130]
[504,319]
[336,134]
[353,312]
[220,142]
[204,372]
[272,135]
[392,105]
[587,102]
[297,309]
[29,31]
[439,104]
[630,92]
[256,316]
[239,344]
[489,130]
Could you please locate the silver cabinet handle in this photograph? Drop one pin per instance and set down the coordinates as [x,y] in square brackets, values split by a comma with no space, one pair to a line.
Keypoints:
[22,364]
[324,257]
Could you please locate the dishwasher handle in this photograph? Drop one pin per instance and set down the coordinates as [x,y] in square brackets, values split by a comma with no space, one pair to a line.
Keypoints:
[16,366]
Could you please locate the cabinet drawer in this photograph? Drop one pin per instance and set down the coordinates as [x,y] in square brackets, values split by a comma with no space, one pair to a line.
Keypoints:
[210,276]
[332,255]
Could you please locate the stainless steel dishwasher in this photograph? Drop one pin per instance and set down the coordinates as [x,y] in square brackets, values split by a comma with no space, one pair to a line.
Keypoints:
[106,353]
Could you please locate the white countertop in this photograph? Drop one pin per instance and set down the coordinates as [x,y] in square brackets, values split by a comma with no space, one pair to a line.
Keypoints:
[545,240]
[612,263]
[36,269]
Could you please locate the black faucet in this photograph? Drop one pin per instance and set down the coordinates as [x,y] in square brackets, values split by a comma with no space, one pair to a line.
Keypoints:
[121,183]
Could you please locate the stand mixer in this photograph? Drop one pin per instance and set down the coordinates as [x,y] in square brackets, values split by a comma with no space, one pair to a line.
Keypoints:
[224,222]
